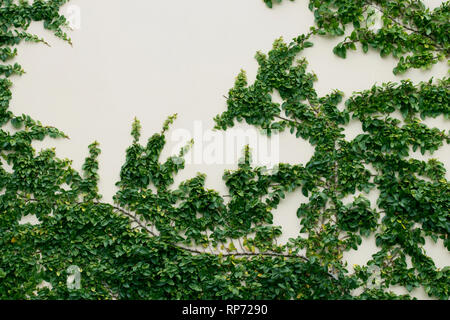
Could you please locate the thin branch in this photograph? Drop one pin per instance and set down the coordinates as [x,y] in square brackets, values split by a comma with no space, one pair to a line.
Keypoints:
[407,27]
[191,250]
[286,119]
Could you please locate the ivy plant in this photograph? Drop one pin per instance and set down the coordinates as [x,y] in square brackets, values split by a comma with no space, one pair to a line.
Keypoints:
[414,196]
[158,240]
[410,32]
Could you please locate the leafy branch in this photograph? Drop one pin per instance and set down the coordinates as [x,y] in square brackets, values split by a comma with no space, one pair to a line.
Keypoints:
[410,31]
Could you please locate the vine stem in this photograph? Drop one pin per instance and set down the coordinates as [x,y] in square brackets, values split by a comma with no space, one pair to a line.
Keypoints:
[376,6]
[227,254]
[191,250]
[220,254]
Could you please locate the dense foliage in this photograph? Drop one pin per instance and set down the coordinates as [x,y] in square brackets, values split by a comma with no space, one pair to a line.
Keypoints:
[409,31]
[160,241]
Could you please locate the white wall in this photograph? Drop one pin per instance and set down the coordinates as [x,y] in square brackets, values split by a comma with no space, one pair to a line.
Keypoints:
[150,59]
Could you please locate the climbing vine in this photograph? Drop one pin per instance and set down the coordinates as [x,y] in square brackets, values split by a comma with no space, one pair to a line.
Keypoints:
[410,32]
[164,241]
